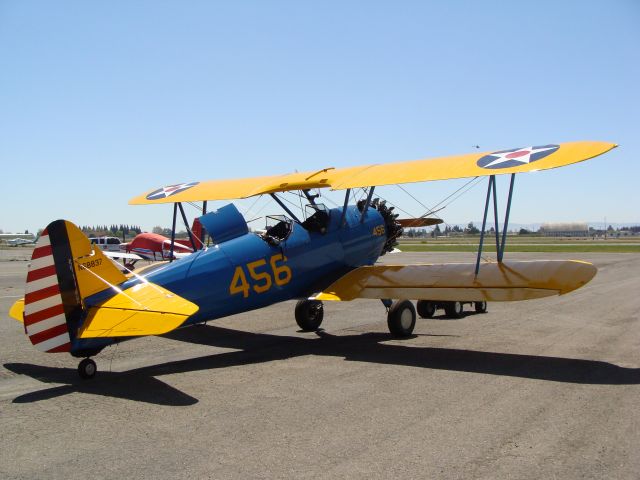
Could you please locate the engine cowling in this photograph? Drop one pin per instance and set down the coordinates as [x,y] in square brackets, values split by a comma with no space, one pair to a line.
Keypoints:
[392,227]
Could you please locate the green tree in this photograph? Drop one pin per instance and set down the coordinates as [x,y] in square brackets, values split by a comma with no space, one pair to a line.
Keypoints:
[471,229]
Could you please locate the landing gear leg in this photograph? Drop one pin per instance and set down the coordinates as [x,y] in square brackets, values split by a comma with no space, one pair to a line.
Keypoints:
[87,369]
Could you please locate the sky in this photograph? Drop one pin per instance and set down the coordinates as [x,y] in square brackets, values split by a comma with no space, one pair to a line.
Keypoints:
[102,101]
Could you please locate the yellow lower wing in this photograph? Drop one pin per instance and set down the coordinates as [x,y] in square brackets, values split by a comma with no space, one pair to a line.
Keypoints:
[145,309]
[495,282]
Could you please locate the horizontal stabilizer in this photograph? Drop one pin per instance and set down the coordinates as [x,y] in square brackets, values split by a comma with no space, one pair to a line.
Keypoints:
[144,309]
[17,310]
[496,282]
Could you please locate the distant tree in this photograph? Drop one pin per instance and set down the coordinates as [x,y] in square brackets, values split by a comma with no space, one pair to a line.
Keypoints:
[471,229]
[524,231]
[157,229]
[492,230]
[436,232]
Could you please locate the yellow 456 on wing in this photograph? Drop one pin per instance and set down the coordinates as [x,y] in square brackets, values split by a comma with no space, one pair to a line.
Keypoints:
[262,277]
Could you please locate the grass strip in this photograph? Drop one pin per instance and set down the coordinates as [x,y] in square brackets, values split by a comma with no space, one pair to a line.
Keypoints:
[523,248]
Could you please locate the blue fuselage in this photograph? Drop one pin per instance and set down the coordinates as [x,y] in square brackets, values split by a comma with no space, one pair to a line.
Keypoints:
[247,272]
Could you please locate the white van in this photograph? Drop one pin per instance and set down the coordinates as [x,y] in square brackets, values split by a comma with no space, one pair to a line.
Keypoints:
[108,244]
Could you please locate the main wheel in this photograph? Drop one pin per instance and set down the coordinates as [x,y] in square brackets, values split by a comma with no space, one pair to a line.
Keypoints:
[453,309]
[426,309]
[481,307]
[309,314]
[401,318]
[87,369]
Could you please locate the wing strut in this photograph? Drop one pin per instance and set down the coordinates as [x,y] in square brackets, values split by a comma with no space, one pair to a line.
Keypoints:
[186,225]
[368,202]
[344,207]
[178,206]
[284,207]
[173,231]
[499,244]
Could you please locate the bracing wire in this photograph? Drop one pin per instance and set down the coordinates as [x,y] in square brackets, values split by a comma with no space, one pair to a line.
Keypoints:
[195,205]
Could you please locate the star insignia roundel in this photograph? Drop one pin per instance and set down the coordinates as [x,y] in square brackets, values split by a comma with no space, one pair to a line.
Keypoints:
[516,157]
[169,190]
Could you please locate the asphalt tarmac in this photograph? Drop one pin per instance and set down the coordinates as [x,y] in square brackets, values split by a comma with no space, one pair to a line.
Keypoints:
[541,389]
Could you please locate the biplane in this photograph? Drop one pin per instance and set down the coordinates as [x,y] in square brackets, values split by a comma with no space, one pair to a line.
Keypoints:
[77,301]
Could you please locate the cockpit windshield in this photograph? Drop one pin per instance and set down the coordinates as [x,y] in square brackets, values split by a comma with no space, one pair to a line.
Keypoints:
[317,219]
[277,229]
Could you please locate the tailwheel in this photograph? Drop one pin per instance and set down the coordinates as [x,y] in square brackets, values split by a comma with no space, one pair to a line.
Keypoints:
[481,307]
[309,314]
[426,309]
[87,369]
[401,318]
[453,309]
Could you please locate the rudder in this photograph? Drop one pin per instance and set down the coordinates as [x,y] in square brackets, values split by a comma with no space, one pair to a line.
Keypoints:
[65,268]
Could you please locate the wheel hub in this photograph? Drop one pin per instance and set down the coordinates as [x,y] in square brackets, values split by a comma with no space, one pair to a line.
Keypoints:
[406,319]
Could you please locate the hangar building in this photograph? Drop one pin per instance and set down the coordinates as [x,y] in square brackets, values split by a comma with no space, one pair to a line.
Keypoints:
[575,229]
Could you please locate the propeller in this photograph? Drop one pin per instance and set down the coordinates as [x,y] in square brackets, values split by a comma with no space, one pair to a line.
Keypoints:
[418,222]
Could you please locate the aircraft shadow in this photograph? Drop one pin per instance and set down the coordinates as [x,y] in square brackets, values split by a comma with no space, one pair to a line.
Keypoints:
[142,385]
[131,385]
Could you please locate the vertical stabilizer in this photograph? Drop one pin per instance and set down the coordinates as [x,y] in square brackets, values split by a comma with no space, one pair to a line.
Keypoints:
[65,268]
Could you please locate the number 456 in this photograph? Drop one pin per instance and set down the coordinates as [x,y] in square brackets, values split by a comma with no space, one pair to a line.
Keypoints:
[261,278]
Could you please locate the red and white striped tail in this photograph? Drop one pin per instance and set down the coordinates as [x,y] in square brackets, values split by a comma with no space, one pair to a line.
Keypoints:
[44,317]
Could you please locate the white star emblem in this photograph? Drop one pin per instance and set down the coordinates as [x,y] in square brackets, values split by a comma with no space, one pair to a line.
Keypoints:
[169,190]
[512,158]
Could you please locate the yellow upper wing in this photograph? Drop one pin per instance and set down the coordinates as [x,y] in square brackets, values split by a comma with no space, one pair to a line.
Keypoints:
[526,159]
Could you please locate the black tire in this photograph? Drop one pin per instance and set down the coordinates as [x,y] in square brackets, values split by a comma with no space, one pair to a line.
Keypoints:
[426,308]
[401,318]
[87,369]
[309,314]
[481,307]
[454,309]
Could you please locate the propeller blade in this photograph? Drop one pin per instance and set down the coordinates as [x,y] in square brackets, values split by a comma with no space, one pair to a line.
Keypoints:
[418,222]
